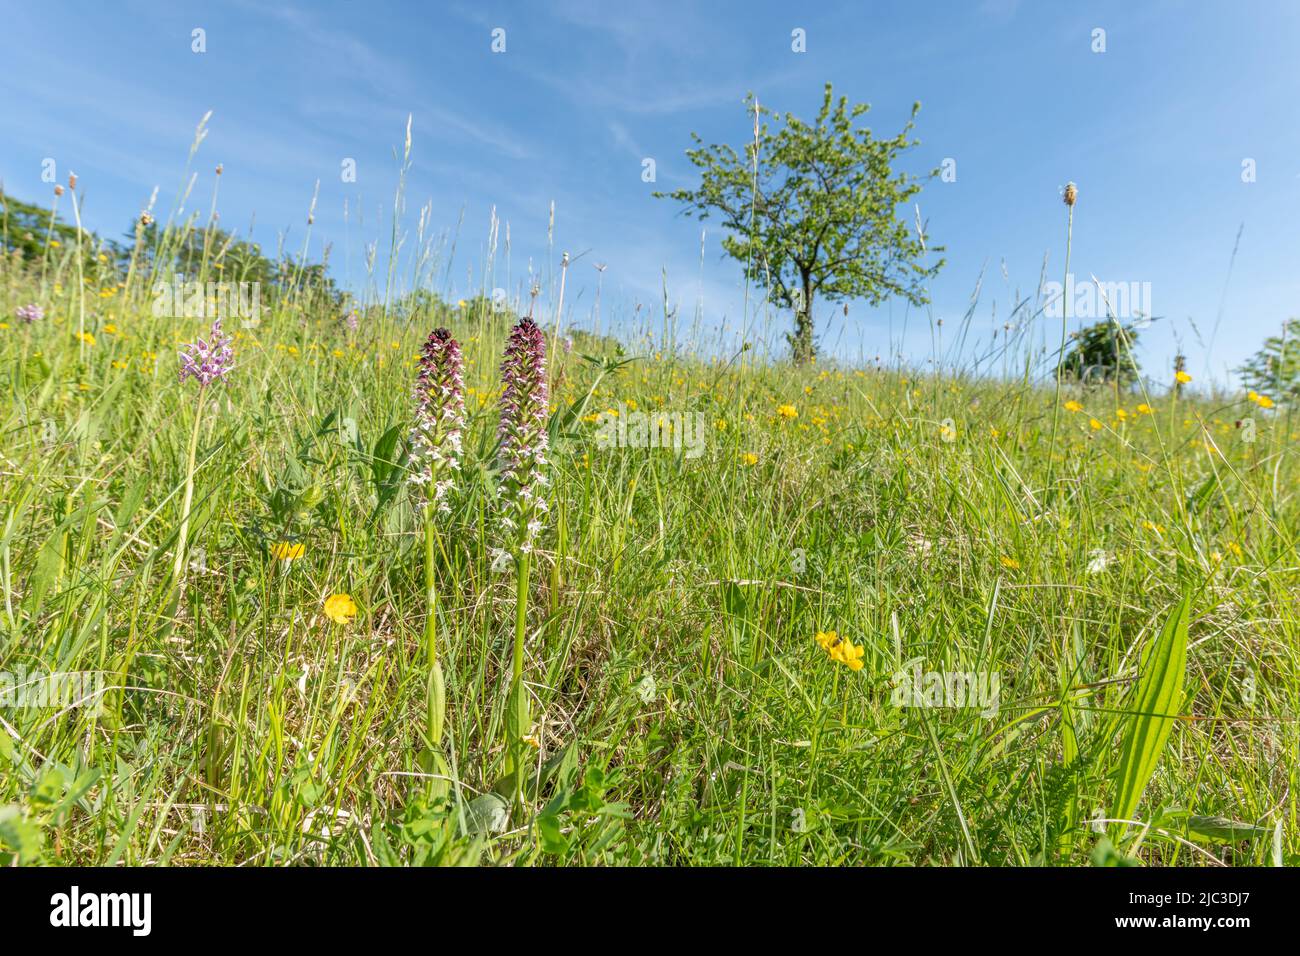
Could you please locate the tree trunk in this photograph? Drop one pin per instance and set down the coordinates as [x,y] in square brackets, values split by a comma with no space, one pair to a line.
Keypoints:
[801,342]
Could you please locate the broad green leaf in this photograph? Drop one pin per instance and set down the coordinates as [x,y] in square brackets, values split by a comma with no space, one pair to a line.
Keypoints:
[1154,704]
[1222,829]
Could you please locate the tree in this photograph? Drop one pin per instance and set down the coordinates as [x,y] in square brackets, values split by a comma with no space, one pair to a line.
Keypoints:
[26,229]
[1100,353]
[1275,368]
[811,211]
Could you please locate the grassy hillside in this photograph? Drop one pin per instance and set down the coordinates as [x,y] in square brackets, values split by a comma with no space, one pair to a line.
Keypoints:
[683,709]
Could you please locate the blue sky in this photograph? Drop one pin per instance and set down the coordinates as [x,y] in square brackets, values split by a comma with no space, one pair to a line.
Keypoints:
[1154,130]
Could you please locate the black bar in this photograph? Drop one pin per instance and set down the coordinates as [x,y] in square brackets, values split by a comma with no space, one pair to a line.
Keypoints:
[333,905]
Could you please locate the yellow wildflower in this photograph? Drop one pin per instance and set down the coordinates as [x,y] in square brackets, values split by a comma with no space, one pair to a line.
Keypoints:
[287,550]
[340,608]
[841,649]
[787,411]
[1182,378]
[1011,563]
[1073,406]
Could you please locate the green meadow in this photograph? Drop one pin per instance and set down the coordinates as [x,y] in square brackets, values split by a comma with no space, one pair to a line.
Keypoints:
[777,613]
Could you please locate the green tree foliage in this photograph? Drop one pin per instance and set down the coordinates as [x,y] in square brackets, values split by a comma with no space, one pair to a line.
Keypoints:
[812,210]
[205,255]
[1275,368]
[214,254]
[1102,352]
[28,230]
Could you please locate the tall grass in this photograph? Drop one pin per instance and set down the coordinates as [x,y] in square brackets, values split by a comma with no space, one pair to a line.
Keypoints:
[680,710]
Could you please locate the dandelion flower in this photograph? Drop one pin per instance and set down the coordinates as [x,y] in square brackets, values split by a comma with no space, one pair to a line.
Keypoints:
[340,608]
[1073,406]
[840,649]
[287,551]
[1181,377]
[1095,425]
[787,412]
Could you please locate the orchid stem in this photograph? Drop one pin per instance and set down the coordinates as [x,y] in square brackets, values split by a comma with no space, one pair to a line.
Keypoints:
[179,567]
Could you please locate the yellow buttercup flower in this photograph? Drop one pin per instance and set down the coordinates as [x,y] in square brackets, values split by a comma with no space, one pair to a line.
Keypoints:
[1094,424]
[841,649]
[1073,406]
[1263,401]
[749,458]
[287,550]
[1182,378]
[1144,409]
[340,608]
[787,412]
